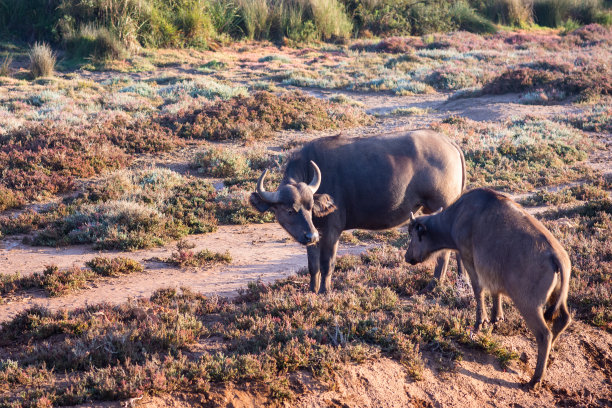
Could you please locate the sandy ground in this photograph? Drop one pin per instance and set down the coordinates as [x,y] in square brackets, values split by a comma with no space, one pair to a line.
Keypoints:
[260,251]
[580,375]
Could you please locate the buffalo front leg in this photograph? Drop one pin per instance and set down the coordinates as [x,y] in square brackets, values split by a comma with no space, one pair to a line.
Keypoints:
[497,313]
[314,267]
[479,295]
[440,271]
[329,247]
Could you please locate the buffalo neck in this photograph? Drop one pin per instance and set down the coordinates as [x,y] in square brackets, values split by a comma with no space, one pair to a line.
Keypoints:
[440,226]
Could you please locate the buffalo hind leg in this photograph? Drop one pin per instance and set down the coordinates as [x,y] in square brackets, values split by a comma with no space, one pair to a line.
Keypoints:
[534,318]
[314,267]
[329,246]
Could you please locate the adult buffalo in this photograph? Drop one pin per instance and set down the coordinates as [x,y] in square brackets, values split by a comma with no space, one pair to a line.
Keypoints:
[336,183]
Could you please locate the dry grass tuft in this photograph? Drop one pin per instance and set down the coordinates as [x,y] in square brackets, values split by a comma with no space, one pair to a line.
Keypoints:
[42,60]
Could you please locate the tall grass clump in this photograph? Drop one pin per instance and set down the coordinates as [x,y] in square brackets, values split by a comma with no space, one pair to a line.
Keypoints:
[94,42]
[194,24]
[330,19]
[298,20]
[508,12]
[554,13]
[225,17]
[255,18]
[42,60]
[5,67]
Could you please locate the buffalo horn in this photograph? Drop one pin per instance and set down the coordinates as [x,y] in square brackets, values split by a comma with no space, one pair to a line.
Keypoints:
[270,198]
[316,179]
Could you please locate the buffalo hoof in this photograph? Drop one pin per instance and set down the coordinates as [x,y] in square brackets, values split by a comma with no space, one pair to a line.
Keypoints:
[430,286]
[481,325]
[498,319]
[532,385]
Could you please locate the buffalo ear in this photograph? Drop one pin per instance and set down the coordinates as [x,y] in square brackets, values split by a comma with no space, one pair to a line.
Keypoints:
[420,229]
[259,204]
[323,205]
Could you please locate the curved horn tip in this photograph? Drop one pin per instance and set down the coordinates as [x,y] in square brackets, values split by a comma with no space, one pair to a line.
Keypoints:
[315,183]
[266,196]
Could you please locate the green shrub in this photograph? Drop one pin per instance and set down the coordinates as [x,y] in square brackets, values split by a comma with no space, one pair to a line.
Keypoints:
[467,19]
[194,24]
[219,162]
[551,13]
[42,60]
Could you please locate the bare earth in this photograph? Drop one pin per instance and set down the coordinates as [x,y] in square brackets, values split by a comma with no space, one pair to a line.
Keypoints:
[581,374]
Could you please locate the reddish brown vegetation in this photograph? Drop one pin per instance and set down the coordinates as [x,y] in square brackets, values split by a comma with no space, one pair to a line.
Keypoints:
[257,116]
[585,83]
[391,45]
[44,159]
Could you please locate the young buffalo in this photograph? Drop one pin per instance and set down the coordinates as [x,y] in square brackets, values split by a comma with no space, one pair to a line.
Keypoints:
[505,251]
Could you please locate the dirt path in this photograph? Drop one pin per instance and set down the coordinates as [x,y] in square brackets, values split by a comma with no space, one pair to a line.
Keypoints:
[261,251]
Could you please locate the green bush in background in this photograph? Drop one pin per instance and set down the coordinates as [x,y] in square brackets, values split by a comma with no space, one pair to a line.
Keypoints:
[102,29]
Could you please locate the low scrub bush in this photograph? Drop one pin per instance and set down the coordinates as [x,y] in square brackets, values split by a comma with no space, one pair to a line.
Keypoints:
[597,118]
[44,159]
[452,79]
[258,116]
[132,210]
[185,257]
[114,266]
[521,154]
[391,45]
[136,209]
[592,191]
[586,84]
[219,162]
[204,87]
[54,281]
